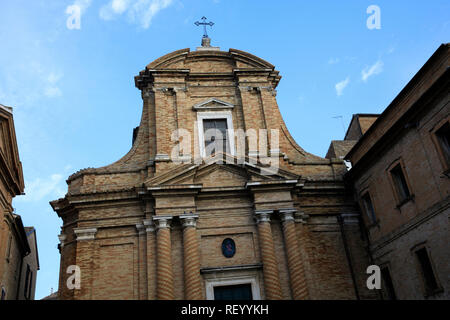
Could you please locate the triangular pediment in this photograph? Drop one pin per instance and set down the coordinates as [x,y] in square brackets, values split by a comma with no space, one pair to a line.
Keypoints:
[216,173]
[213,104]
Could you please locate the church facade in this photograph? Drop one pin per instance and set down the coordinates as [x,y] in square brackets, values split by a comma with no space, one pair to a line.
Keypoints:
[215,199]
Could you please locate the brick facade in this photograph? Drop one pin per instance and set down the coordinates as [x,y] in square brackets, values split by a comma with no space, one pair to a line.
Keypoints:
[18,251]
[405,140]
[147,227]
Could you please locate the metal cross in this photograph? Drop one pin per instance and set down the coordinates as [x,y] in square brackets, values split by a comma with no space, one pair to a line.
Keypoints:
[204,24]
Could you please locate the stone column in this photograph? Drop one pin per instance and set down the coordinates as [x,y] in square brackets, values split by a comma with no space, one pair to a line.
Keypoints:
[84,260]
[270,268]
[296,270]
[192,278]
[151,259]
[164,273]
[142,270]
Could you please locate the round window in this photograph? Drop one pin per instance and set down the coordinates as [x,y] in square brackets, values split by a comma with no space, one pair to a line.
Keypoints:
[228,248]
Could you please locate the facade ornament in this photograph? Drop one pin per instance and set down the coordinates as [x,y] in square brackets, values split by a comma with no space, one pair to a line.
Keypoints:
[189,220]
[85,233]
[263,215]
[162,222]
[149,225]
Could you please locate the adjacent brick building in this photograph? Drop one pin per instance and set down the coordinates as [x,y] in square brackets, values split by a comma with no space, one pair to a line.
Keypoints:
[401,178]
[168,222]
[18,250]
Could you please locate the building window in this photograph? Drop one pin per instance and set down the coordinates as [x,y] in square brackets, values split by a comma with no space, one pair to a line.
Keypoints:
[227,286]
[368,208]
[388,286]
[443,143]
[400,184]
[8,250]
[215,132]
[215,135]
[3,297]
[426,268]
[236,292]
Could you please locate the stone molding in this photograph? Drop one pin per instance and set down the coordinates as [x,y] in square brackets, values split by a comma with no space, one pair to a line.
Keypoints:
[62,239]
[162,221]
[140,228]
[85,233]
[287,214]
[149,225]
[263,215]
[188,220]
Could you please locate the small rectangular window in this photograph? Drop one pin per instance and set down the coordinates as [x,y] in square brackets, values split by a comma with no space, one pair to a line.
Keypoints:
[8,250]
[428,276]
[215,132]
[388,285]
[443,138]
[400,183]
[368,207]
[3,297]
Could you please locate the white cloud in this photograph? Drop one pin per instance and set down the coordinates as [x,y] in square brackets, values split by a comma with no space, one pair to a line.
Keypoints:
[367,72]
[340,86]
[113,8]
[49,187]
[52,92]
[138,11]
[82,4]
[333,60]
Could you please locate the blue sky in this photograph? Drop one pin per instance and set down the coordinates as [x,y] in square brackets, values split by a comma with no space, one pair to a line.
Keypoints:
[75,103]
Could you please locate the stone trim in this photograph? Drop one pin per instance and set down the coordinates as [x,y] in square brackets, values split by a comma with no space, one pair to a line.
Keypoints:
[350,218]
[229,280]
[231,268]
[188,220]
[287,214]
[62,238]
[140,228]
[85,233]
[218,104]
[301,217]
[162,221]
[149,225]
[162,157]
[215,115]
[262,215]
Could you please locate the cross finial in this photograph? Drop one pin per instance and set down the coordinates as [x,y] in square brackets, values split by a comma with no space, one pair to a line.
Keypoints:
[204,24]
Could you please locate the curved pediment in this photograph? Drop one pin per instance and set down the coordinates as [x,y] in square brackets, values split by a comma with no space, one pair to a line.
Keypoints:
[181,58]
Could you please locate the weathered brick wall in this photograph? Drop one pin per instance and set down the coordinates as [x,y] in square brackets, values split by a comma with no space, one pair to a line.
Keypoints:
[116,198]
[423,218]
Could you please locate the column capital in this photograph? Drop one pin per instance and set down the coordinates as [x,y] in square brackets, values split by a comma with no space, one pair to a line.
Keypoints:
[149,225]
[162,221]
[263,215]
[140,228]
[85,233]
[189,220]
[62,238]
[287,214]
[301,217]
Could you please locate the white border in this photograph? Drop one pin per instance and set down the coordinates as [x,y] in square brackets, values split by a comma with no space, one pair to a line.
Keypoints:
[215,115]
[228,281]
